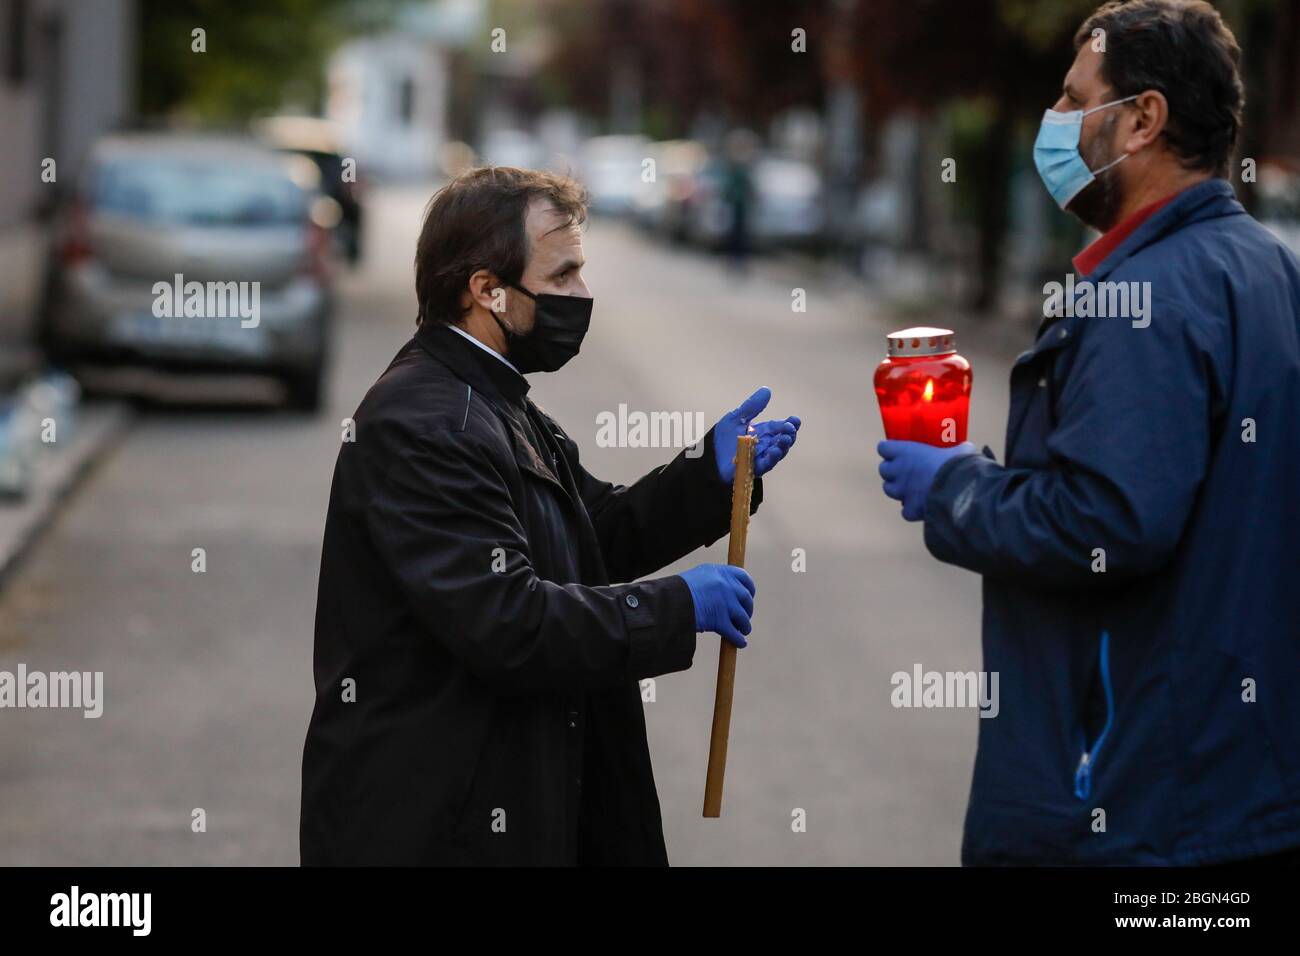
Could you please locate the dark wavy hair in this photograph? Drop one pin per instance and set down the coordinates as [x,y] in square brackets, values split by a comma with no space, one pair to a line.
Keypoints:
[476,222]
[1183,49]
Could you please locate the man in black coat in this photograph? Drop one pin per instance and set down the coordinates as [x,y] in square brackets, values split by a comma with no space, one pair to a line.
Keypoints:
[477,674]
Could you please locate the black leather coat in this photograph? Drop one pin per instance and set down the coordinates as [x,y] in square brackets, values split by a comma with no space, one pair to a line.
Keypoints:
[477,697]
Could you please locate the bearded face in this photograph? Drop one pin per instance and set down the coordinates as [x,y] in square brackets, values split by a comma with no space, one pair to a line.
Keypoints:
[1098,204]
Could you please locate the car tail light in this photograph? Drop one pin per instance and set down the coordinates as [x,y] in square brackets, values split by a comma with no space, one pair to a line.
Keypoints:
[75,246]
[316,263]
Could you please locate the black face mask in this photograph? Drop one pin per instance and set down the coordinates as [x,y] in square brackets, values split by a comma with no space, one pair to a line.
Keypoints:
[559,324]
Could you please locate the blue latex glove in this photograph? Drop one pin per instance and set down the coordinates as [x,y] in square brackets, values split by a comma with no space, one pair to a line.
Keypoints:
[909,469]
[775,437]
[724,600]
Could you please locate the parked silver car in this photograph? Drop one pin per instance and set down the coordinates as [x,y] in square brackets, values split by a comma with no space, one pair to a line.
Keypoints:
[611,167]
[787,206]
[662,204]
[193,253]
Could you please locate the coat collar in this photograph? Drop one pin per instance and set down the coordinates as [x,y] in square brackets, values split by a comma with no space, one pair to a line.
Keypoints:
[471,364]
[505,389]
[1208,200]
[1086,262]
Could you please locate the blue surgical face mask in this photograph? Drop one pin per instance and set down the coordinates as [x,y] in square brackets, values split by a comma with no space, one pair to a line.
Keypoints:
[1056,153]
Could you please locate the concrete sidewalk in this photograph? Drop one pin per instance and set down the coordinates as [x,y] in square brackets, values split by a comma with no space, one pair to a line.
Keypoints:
[55,469]
[100,425]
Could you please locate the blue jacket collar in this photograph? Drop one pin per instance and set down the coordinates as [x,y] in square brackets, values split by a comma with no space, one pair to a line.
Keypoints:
[1207,200]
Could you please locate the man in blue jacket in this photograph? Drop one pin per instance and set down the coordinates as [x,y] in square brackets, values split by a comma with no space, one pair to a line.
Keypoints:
[1141,546]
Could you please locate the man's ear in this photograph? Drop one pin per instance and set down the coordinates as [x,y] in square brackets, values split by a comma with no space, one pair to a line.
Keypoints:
[1150,115]
[485,290]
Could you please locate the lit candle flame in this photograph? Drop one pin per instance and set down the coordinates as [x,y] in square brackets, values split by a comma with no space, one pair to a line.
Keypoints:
[928,394]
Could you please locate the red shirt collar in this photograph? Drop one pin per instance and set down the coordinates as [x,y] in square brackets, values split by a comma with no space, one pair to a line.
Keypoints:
[1090,258]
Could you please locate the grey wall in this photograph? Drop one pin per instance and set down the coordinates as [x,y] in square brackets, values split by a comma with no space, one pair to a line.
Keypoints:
[77,83]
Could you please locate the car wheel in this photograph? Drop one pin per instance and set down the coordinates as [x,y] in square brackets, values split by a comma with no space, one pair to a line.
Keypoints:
[47,338]
[305,388]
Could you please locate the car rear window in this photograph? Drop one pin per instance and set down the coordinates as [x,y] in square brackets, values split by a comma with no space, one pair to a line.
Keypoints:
[196,193]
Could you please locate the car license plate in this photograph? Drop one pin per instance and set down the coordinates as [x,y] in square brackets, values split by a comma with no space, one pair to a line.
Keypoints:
[189,334]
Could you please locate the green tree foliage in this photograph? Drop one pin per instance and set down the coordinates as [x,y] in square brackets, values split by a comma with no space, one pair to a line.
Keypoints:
[1000,63]
[732,57]
[261,54]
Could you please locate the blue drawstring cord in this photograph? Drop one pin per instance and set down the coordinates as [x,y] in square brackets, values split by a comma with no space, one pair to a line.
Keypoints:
[1083,775]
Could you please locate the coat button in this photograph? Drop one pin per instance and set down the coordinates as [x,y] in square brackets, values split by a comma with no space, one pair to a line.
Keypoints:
[1064,333]
[632,601]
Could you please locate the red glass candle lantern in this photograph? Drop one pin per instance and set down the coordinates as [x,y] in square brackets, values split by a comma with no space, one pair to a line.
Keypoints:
[923,387]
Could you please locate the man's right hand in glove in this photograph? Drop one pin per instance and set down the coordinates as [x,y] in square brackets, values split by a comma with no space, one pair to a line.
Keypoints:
[724,600]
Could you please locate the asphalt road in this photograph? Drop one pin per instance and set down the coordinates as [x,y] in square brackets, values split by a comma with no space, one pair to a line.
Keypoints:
[207,677]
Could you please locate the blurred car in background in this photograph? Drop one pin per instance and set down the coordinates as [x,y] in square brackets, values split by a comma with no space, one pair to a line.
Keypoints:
[317,140]
[787,210]
[611,169]
[192,252]
[661,205]
[510,147]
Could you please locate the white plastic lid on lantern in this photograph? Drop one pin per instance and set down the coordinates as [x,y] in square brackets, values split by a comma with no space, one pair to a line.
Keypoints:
[921,340]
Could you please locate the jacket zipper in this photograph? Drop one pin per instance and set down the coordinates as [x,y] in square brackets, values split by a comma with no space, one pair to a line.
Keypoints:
[1088,760]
